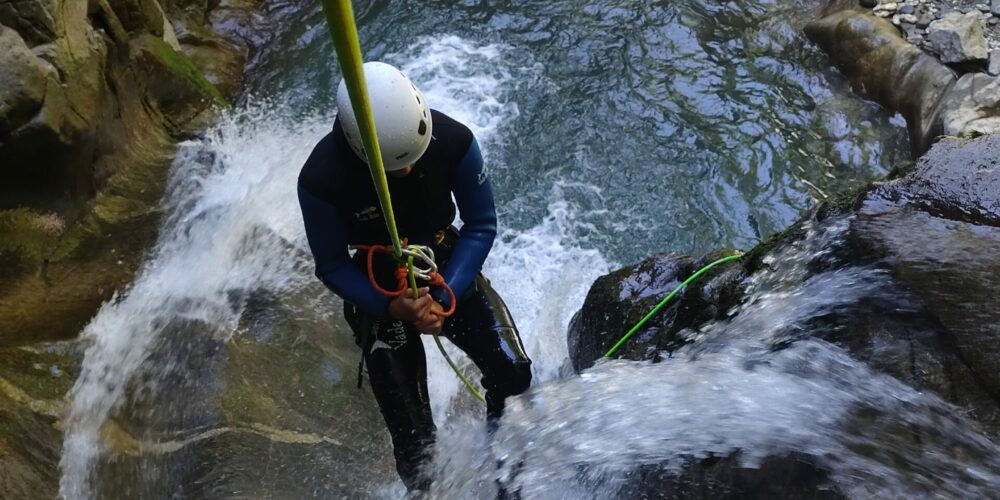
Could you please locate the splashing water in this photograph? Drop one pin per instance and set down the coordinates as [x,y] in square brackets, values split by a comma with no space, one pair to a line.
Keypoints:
[234,227]
[745,385]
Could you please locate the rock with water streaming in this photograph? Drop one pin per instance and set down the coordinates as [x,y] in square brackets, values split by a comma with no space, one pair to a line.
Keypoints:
[938,230]
[931,321]
[202,410]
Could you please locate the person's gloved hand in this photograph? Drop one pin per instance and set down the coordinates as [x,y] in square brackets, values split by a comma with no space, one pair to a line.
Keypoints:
[417,311]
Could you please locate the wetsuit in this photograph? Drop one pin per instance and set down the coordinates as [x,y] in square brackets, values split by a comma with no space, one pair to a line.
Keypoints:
[340,208]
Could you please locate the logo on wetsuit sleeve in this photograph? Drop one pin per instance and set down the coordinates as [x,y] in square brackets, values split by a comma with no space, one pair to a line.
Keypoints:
[370,213]
[483,175]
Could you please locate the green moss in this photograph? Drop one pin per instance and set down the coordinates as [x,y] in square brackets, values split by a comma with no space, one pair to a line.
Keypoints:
[900,170]
[113,209]
[43,374]
[181,65]
[25,235]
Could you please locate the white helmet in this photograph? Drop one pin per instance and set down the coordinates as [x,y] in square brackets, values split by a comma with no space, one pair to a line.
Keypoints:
[402,117]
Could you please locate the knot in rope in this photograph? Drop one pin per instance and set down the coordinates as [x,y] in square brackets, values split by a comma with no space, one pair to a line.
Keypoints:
[406,268]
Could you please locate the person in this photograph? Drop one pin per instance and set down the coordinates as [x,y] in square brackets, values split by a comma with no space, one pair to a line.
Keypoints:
[428,157]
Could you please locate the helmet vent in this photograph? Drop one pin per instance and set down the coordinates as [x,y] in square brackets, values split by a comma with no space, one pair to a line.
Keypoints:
[418,98]
[400,157]
[422,128]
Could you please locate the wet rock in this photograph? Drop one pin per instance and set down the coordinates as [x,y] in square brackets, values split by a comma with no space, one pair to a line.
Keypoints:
[994,66]
[936,233]
[972,106]
[33,381]
[22,83]
[617,301]
[938,230]
[204,408]
[630,292]
[957,38]
[724,478]
[93,95]
[995,7]
[884,67]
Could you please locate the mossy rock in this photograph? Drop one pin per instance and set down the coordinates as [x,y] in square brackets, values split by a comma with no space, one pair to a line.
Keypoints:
[33,383]
[180,65]
[26,237]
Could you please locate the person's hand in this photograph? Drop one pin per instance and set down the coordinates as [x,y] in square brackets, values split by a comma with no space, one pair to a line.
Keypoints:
[413,310]
[432,322]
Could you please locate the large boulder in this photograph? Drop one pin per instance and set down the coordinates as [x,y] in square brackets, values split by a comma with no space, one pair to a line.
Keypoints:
[972,106]
[957,38]
[885,68]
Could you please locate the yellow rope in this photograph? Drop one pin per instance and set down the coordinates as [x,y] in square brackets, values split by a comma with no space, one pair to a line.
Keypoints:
[340,18]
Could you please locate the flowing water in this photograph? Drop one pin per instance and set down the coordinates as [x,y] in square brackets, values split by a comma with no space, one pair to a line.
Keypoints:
[614,129]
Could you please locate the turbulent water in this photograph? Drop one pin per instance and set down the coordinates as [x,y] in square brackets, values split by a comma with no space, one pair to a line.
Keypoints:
[613,129]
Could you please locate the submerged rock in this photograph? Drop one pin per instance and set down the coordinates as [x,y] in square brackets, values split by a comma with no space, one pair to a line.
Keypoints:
[957,38]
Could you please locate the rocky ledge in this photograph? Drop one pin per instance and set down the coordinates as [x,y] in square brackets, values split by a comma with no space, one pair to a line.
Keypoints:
[93,96]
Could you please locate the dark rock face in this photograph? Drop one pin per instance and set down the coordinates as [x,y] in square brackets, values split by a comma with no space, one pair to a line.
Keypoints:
[93,95]
[935,326]
[938,231]
[724,478]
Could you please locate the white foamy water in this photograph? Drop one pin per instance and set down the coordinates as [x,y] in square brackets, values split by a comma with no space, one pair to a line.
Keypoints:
[744,385]
[234,226]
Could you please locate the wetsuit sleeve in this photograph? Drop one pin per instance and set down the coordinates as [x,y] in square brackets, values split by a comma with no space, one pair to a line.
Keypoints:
[474,196]
[327,234]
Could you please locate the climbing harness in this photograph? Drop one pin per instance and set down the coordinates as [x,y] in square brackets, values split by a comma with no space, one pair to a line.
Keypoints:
[663,302]
[340,18]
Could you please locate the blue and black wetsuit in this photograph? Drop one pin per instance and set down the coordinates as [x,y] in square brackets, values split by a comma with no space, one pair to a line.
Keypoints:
[340,208]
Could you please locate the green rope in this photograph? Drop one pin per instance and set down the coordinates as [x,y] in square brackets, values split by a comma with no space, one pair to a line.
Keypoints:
[340,18]
[472,389]
[663,302]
